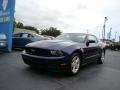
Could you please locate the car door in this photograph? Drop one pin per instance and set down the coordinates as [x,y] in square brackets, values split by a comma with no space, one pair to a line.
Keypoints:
[16,40]
[25,39]
[92,50]
[31,38]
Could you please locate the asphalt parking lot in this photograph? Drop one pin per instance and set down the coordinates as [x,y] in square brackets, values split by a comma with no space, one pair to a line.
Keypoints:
[15,75]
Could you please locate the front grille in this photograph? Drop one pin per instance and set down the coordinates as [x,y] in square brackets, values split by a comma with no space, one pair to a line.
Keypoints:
[38,52]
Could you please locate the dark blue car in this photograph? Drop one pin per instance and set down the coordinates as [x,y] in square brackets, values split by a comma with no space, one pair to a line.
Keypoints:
[65,53]
[21,39]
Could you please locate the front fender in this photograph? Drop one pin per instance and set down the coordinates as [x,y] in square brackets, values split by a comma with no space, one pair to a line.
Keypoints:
[71,49]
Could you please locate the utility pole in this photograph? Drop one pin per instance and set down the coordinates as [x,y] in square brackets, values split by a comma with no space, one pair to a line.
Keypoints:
[87,31]
[119,38]
[115,35]
[104,28]
[110,33]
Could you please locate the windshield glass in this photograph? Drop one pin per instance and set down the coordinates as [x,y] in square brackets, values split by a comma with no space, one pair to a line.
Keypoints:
[76,37]
[2,36]
[38,36]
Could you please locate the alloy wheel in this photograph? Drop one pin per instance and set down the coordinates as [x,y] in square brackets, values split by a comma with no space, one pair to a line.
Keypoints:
[102,57]
[75,65]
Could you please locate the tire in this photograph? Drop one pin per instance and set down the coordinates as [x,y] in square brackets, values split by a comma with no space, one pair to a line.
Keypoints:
[101,58]
[74,64]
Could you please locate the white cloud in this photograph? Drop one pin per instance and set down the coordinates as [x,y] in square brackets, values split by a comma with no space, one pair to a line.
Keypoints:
[69,15]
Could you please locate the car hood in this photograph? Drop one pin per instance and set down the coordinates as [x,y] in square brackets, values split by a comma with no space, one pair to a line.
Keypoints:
[51,44]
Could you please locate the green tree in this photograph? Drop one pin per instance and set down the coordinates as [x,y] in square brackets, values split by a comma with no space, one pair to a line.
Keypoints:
[19,25]
[31,28]
[51,32]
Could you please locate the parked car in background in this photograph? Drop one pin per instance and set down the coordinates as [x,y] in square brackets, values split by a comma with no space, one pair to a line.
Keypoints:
[50,37]
[3,41]
[115,46]
[65,53]
[21,39]
[107,43]
[103,44]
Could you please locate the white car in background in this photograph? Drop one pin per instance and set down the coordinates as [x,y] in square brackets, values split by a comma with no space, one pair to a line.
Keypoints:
[103,44]
[3,41]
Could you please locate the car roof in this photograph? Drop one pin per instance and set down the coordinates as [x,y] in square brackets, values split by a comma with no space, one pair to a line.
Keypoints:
[25,33]
[32,34]
[80,33]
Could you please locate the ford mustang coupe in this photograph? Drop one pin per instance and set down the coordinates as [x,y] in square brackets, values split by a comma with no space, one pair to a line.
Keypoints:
[68,52]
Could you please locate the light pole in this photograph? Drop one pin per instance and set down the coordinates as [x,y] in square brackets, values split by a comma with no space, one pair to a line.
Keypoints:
[110,33]
[98,29]
[104,27]
[119,38]
[115,35]
[87,31]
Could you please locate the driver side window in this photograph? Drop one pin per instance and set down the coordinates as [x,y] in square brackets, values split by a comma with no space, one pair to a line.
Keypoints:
[24,35]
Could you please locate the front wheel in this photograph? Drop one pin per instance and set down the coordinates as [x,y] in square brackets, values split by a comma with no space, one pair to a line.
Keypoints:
[74,64]
[102,58]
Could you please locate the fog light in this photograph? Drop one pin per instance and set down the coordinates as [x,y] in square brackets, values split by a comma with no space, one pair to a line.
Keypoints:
[23,51]
[63,64]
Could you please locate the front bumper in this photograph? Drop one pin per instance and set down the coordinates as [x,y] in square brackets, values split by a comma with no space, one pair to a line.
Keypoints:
[52,63]
[2,48]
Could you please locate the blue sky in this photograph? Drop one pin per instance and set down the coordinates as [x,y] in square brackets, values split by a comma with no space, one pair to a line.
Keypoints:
[70,15]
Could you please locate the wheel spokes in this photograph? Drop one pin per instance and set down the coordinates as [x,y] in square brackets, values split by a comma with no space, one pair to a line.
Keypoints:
[75,64]
[102,57]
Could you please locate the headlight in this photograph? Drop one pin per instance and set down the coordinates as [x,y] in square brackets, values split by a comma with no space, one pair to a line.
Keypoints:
[2,44]
[56,53]
[23,51]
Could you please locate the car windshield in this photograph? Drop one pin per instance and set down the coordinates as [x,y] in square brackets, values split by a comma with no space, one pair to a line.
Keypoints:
[76,37]
[38,36]
[2,36]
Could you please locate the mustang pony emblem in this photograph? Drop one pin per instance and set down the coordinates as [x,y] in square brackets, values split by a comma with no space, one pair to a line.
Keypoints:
[33,50]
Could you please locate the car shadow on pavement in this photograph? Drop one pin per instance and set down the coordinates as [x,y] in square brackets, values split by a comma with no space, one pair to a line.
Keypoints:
[46,72]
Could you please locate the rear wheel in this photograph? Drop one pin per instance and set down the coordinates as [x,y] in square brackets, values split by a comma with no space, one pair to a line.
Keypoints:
[102,58]
[74,64]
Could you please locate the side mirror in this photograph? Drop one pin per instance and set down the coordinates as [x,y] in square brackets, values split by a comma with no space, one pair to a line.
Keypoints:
[89,41]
